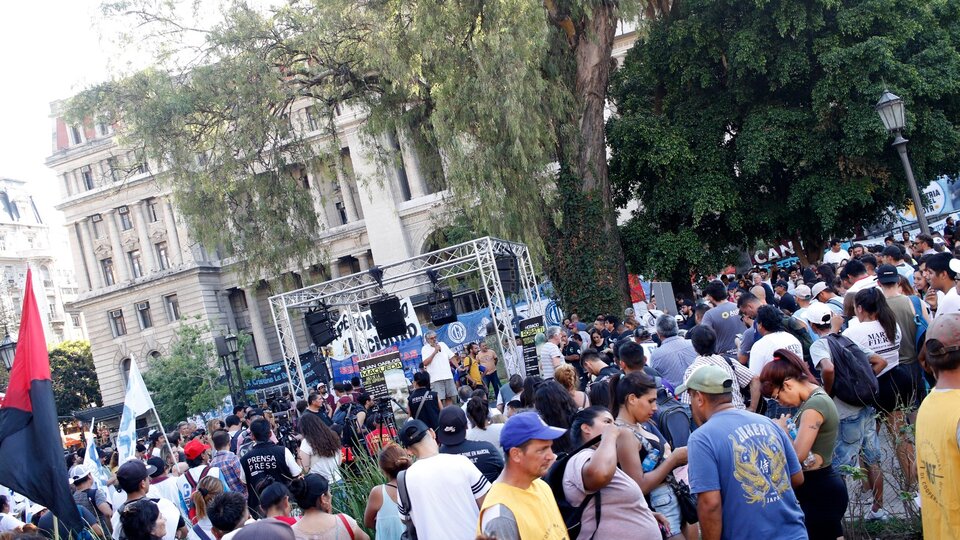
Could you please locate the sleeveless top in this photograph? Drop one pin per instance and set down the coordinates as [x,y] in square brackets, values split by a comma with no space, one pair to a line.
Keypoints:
[389,525]
[340,531]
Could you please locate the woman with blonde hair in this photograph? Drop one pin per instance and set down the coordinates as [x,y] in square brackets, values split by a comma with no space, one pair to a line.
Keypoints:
[207,489]
[566,375]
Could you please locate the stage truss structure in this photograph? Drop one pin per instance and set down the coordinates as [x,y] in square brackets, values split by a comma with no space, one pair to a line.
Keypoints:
[349,293]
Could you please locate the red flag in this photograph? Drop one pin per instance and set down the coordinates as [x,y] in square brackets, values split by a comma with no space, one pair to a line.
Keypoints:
[31,452]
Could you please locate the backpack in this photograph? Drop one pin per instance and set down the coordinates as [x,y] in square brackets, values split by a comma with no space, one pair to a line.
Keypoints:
[572,515]
[854,381]
[919,321]
[668,408]
[193,484]
[346,419]
[797,329]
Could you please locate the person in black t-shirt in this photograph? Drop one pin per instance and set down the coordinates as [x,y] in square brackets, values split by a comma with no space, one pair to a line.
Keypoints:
[452,437]
[423,403]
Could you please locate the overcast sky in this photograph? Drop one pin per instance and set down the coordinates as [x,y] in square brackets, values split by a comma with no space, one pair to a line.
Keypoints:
[50,50]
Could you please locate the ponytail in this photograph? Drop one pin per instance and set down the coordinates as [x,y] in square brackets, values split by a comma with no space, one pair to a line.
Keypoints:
[872,301]
[636,383]
[207,489]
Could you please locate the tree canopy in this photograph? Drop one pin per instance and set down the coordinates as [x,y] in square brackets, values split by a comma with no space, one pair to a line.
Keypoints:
[494,95]
[744,122]
[75,384]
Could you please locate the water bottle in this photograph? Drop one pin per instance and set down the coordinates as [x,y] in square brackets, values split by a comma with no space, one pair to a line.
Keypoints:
[810,461]
[792,429]
[650,462]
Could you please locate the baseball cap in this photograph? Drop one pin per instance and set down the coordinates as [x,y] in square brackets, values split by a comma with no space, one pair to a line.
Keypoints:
[818,288]
[943,336]
[154,436]
[818,313]
[893,251]
[527,426]
[803,292]
[158,464]
[887,274]
[195,449]
[453,426]
[134,471]
[709,380]
[412,432]
[79,472]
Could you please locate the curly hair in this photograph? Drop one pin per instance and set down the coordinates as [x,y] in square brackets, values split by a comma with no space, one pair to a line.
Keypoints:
[566,376]
[322,440]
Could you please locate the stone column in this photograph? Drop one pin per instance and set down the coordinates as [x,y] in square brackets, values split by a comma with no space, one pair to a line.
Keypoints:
[77,182]
[147,255]
[411,164]
[173,237]
[256,326]
[363,260]
[388,239]
[334,268]
[345,192]
[316,194]
[94,277]
[119,257]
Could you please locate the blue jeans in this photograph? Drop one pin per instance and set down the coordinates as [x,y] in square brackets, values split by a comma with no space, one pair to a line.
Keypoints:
[857,435]
[492,380]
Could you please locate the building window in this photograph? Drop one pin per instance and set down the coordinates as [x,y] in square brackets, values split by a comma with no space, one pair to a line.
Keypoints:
[75,319]
[135,265]
[107,266]
[113,169]
[125,371]
[76,134]
[87,175]
[125,222]
[162,258]
[104,129]
[173,307]
[153,210]
[342,210]
[143,315]
[313,122]
[97,221]
[117,326]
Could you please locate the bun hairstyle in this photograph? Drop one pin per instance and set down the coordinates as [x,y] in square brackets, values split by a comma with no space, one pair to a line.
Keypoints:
[273,494]
[394,459]
[207,488]
[308,490]
[636,383]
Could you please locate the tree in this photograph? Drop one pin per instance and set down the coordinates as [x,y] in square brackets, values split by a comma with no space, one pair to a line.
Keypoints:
[490,93]
[75,384]
[185,382]
[741,123]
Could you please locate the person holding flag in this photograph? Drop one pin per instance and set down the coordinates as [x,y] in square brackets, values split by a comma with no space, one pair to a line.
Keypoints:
[30,443]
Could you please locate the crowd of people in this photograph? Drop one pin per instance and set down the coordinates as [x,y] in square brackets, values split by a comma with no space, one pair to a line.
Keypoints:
[738,418]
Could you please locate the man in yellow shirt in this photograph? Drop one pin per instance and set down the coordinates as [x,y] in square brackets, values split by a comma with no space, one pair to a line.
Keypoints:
[938,433]
[471,365]
[520,505]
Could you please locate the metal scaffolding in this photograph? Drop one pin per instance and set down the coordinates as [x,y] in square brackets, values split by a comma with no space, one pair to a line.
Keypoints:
[476,257]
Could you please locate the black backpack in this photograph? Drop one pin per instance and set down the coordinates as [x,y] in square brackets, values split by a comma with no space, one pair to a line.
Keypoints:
[854,381]
[571,514]
[797,329]
[669,407]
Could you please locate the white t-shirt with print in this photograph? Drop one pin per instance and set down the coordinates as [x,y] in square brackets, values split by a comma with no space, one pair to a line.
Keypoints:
[871,335]
[762,352]
[948,303]
[443,493]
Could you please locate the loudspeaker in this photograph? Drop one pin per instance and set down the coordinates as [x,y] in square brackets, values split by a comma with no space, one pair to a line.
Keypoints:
[442,310]
[509,272]
[320,327]
[388,317]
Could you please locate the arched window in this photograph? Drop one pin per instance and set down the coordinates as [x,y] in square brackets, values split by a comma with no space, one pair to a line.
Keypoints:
[154,356]
[125,371]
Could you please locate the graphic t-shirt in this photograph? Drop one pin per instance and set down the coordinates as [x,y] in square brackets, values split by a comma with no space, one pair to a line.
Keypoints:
[482,454]
[749,459]
[871,335]
[725,321]
[429,413]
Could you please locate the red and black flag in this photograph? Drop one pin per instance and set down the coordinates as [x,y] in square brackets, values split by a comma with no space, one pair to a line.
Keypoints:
[31,452]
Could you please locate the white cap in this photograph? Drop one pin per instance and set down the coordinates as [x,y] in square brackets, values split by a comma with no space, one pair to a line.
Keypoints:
[818,288]
[79,472]
[818,313]
[802,291]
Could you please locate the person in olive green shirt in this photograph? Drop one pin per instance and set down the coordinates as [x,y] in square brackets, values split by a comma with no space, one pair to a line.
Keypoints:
[823,494]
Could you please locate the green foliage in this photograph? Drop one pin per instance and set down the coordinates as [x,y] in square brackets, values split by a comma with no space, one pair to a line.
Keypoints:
[357,483]
[741,123]
[185,381]
[75,385]
[490,93]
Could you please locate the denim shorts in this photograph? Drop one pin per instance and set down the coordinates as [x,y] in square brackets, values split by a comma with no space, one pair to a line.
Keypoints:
[664,501]
[857,435]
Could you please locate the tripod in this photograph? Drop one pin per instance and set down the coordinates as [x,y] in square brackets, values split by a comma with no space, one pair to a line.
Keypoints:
[384,418]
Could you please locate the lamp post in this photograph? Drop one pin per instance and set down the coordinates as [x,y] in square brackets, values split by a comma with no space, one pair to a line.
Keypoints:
[223,351]
[8,350]
[892,114]
[233,347]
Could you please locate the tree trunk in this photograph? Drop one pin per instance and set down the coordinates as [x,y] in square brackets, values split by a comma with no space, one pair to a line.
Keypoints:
[808,249]
[587,265]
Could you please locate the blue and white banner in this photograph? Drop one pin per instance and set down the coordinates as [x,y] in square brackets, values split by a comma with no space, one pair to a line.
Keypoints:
[136,403]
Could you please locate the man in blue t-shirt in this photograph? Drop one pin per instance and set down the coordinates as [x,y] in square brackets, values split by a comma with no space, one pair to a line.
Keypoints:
[742,466]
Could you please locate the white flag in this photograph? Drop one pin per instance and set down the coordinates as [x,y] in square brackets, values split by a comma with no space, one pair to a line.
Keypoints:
[101,474]
[136,403]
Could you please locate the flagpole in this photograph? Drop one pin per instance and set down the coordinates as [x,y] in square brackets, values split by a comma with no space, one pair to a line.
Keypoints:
[165,438]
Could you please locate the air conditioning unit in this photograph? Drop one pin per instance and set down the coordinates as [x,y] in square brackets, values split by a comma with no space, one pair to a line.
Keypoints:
[141,306]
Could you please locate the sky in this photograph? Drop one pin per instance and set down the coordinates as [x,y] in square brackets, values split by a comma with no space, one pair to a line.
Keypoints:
[51,49]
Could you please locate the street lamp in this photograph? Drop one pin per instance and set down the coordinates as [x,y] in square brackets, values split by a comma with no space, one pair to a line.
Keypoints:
[225,350]
[233,347]
[892,114]
[8,350]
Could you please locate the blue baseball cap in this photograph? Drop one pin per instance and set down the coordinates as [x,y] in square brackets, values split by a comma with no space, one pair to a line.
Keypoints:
[527,426]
